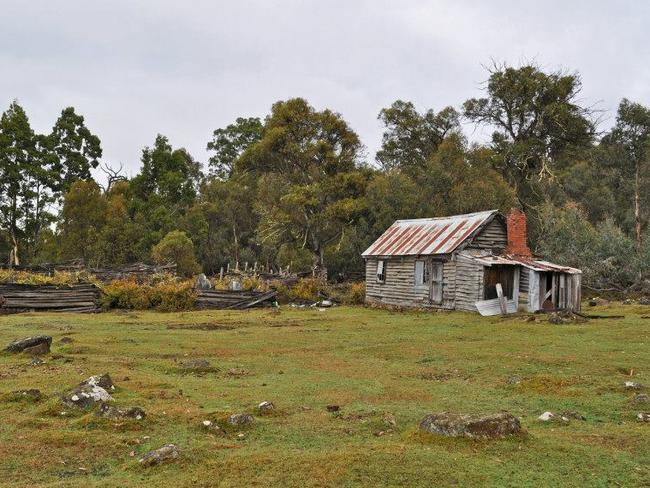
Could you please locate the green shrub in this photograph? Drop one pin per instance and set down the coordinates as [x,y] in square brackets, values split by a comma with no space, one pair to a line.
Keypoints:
[177,248]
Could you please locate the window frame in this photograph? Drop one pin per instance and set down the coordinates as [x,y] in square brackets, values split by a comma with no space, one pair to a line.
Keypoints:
[422,277]
[381,278]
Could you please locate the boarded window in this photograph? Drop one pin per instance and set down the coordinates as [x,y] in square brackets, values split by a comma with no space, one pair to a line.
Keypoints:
[436,282]
[421,273]
[381,271]
[498,274]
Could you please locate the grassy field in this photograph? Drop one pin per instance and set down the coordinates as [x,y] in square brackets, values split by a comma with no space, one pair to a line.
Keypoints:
[373,363]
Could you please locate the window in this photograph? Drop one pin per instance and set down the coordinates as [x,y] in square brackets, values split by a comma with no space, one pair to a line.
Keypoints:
[421,273]
[381,271]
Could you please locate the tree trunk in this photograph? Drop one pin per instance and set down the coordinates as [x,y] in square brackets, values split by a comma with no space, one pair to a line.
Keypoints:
[637,207]
[234,235]
[319,270]
[13,255]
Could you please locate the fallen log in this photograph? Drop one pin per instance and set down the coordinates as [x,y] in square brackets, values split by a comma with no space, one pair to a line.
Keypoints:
[585,316]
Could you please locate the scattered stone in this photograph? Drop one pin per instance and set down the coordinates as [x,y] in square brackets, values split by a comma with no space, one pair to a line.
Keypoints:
[211,427]
[632,385]
[196,365]
[641,398]
[166,453]
[85,396]
[389,420]
[573,415]
[102,380]
[326,303]
[333,408]
[34,345]
[643,417]
[238,372]
[108,411]
[66,340]
[563,417]
[556,318]
[514,380]
[628,301]
[265,408]
[644,301]
[546,416]
[203,283]
[565,317]
[495,426]
[89,392]
[36,361]
[37,350]
[241,419]
[30,394]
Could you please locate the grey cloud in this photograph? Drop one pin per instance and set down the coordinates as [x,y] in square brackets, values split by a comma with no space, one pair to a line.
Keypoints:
[137,68]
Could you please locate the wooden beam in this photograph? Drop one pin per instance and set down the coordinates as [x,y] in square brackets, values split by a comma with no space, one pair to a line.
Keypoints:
[502,299]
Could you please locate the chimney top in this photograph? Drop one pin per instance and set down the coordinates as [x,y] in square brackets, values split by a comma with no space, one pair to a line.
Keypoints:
[517,233]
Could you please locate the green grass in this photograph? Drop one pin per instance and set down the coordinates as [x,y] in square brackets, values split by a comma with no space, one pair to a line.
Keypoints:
[371,362]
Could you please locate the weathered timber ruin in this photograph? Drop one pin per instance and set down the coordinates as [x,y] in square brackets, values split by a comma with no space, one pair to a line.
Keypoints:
[474,262]
[83,297]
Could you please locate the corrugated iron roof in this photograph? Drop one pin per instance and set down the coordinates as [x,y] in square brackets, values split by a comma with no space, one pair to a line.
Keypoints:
[531,263]
[440,235]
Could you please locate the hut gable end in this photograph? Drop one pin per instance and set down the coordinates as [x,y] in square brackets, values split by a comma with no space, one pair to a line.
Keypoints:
[493,235]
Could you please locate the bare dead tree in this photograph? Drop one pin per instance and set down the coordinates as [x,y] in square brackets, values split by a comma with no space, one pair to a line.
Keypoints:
[113,175]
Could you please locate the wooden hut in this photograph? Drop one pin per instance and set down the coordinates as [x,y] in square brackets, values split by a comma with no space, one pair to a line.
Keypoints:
[475,262]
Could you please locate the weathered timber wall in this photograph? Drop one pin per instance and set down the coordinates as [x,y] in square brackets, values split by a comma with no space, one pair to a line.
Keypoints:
[469,283]
[493,236]
[400,289]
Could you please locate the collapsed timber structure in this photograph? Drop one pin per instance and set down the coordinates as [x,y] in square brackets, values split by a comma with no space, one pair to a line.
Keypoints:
[474,262]
[82,297]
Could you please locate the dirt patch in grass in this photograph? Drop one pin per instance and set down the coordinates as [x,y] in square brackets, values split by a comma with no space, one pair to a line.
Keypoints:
[548,385]
[442,375]
[202,326]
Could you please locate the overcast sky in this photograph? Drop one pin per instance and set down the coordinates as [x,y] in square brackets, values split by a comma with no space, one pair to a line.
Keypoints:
[183,68]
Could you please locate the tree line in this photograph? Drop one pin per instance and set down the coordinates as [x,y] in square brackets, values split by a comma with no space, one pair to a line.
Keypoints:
[297,188]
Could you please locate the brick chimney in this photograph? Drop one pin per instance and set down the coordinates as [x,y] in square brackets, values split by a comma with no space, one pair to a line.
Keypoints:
[517,234]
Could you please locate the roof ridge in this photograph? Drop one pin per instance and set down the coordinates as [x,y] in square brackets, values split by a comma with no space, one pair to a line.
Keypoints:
[449,216]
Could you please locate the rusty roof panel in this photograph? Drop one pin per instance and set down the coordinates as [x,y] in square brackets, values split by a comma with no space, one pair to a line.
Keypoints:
[528,262]
[441,235]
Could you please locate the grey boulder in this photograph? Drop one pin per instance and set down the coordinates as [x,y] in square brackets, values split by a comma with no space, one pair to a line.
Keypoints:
[495,426]
[34,345]
[241,419]
[89,392]
[166,453]
[116,413]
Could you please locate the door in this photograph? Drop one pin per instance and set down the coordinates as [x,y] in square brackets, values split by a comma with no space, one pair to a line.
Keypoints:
[435,289]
